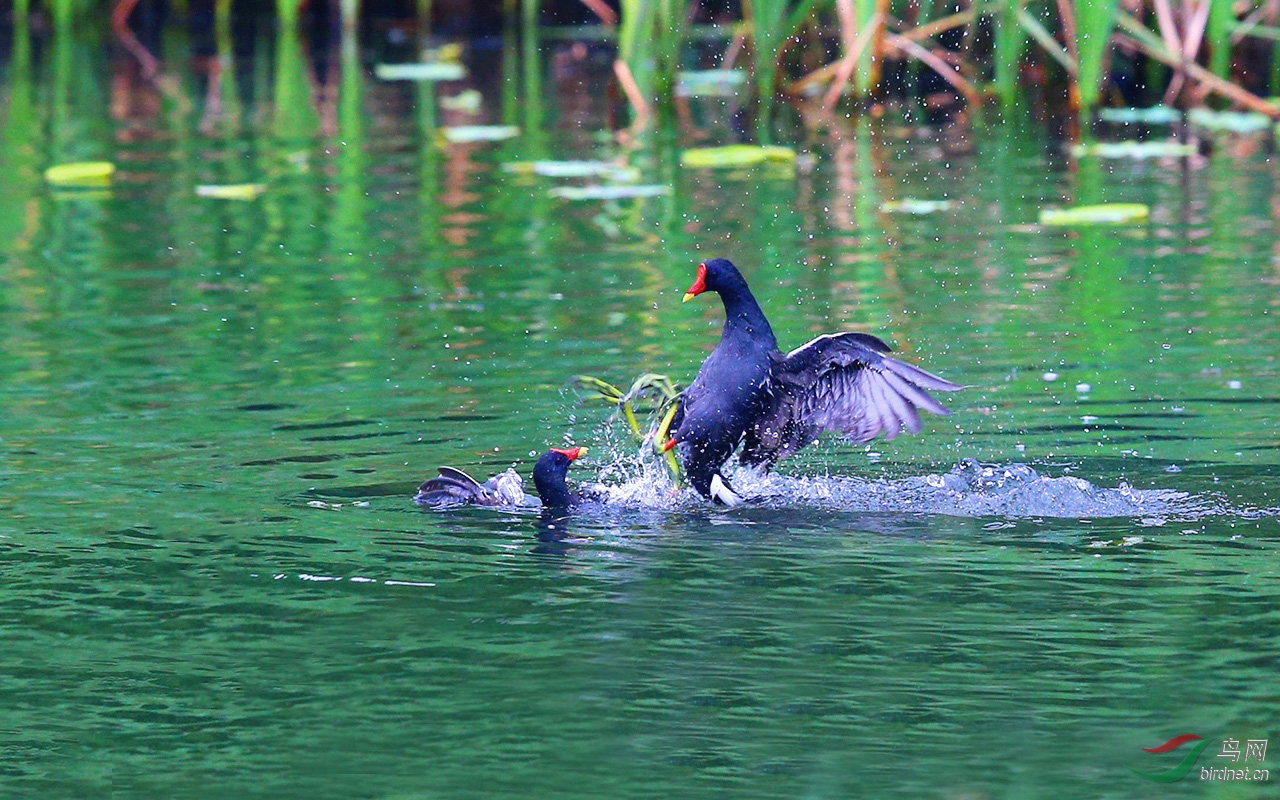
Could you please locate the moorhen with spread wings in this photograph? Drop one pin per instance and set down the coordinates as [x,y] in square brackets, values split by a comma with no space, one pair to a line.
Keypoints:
[774,403]
[453,487]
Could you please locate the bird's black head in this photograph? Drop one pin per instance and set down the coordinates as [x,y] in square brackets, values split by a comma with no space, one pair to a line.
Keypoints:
[716,275]
[549,475]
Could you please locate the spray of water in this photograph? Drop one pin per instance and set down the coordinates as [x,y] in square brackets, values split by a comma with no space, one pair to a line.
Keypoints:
[969,489]
[632,478]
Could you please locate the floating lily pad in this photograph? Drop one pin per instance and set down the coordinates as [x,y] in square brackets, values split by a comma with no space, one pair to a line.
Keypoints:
[1155,115]
[609,192]
[1239,122]
[573,169]
[710,83]
[86,173]
[737,155]
[1138,150]
[1104,214]
[909,205]
[438,71]
[462,134]
[238,191]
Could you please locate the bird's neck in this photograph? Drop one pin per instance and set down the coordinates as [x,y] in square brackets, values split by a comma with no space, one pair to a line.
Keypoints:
[742,314]
[552,490]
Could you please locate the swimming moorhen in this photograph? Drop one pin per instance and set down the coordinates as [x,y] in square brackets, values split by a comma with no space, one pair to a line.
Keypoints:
[776,403]
[453,487]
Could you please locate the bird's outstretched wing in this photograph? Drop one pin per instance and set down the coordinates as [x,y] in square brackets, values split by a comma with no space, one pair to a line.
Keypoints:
[842,382]
[453,487]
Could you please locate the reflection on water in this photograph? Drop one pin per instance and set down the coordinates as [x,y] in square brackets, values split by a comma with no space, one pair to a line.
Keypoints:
[215,414]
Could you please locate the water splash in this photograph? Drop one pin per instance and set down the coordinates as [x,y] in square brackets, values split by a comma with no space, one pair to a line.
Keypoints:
[970,489]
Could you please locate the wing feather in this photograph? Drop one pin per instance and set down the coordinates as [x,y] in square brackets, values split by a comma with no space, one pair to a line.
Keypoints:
[913,393]
[891,422]
[844,383]
[453,487]
[919,377]
[455,474]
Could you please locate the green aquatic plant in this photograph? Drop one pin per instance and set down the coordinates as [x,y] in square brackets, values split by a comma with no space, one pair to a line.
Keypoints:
[1010,44]
[662,412]
[651,34]
[351,198]
[1091,30]
[978,48]
[19,141]
[295,117]
[1219,28]
[767,19]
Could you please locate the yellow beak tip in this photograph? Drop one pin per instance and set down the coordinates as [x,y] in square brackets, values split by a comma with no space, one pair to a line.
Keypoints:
[688,296]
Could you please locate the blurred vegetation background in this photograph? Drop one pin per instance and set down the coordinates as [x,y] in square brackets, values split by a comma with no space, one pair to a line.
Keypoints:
[809,57]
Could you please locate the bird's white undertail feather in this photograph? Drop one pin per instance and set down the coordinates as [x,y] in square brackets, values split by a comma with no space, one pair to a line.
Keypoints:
[722,494]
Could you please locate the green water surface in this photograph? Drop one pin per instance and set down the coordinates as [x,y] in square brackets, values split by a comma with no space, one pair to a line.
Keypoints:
[213,415]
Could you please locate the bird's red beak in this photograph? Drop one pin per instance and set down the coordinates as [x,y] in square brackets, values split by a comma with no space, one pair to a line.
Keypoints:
[572,453]
[699,284]
[668,444]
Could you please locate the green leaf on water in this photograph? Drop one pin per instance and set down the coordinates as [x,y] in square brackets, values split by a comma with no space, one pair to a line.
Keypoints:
[85,173]
[620,191]
[1154,115]
[239,191]
[737,155]
[1138,150]
[439,71]
[909,205]
[1239,122]
[462,134]
[1104,214]
[710,83]
[573,169]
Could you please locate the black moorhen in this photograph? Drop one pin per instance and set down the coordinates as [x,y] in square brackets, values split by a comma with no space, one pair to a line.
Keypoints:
[776,403]
[453,487]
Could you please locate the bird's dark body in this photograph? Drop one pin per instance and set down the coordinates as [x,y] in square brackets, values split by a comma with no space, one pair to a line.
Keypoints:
[731,389]
[773,403]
